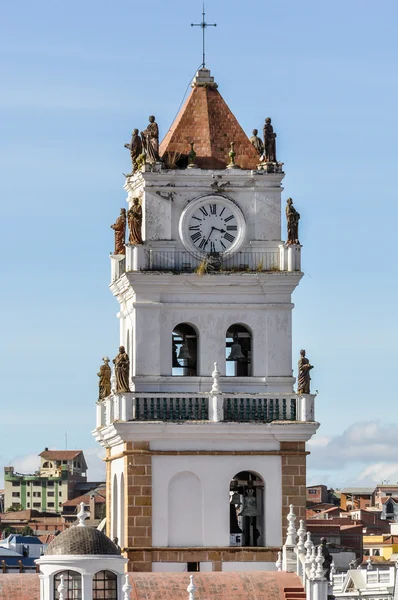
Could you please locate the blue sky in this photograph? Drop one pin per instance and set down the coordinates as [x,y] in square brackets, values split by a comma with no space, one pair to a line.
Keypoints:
[77,77]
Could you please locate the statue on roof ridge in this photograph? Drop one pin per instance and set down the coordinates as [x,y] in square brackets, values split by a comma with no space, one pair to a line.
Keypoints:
[122,370]
[150,140]
[269,141]
[257,143]
[292,221]
[304,368]
[135,148]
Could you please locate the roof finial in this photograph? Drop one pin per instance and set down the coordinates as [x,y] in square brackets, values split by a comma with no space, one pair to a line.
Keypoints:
[82,515]
[61,588]
[204,26]
[191,589]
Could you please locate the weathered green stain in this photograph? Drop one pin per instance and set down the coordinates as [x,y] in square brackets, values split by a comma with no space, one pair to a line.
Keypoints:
[23,494]
[44,494]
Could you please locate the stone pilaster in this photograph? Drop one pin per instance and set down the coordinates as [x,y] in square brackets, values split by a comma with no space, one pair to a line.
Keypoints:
[293,480]
[138,534]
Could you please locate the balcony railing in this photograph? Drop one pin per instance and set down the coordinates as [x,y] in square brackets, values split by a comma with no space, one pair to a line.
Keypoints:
[178,407]
[240,261]
[264,410]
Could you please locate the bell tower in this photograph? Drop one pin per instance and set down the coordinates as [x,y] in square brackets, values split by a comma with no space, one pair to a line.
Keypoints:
[206,444]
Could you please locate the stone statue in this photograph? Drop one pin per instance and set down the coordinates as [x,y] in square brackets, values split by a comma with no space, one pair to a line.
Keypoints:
[122,369]
[135,148]
[269,141]
[249,505]
[328,558]
[104,383]
[119,228]
[304,378]
[292,219]
[150,140]
[257,143]
[134,217]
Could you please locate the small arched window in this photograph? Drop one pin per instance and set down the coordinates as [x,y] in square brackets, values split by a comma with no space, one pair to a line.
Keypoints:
[246,510]
[104,586]
[238,352]
[184,350]
[72,581]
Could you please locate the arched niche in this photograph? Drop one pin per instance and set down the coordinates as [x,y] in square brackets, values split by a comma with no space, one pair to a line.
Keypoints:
[121,512]
[246,509]
[73,582]
[238,351]
[184,350]
[185,522]
[114,507]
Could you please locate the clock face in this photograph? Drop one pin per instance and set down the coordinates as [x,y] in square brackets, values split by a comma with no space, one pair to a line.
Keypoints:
[212,225]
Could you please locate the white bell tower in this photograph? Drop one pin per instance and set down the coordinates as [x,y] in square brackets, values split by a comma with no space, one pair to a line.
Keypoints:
[203,461]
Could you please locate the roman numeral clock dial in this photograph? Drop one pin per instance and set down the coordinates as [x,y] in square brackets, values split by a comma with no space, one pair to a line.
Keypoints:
[212,225]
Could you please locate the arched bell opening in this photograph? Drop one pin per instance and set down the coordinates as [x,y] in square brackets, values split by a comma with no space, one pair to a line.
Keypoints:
[238,351]
[184,351]
[246,510]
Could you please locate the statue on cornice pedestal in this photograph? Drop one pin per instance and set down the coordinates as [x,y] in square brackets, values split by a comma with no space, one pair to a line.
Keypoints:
[304,368]
[134,217]
[122,371]
[292,219]
[104,384]
[119,228]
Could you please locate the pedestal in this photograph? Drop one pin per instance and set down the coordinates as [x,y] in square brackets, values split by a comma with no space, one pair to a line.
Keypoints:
[136,258]
[305,407]
[118,266]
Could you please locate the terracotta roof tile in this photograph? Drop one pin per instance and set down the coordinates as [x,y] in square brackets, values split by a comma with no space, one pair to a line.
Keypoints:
[267,585]
[206,120]
[60,454]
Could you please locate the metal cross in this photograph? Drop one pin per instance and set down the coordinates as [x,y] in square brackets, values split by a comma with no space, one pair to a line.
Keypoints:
[204,26]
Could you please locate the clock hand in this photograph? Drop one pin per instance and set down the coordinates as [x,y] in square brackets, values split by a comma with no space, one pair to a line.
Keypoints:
[220,230]
[211,231]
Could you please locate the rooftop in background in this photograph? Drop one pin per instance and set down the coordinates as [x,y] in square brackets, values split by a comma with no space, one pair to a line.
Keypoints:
[206,120]
[358,491]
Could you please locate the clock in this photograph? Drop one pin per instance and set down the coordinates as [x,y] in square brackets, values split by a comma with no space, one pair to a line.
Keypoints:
[212,224]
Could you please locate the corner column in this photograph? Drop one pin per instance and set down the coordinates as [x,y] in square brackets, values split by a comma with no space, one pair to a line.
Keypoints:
[108,493]
[138,521]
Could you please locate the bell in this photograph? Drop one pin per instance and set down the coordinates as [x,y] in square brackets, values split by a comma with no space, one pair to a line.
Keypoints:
[176,364]
[236,350]
[184,351]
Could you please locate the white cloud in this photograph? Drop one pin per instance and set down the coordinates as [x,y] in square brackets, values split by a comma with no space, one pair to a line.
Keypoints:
[367,442]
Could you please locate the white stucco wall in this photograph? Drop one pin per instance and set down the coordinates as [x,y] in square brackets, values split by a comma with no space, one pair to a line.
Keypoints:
[215,474]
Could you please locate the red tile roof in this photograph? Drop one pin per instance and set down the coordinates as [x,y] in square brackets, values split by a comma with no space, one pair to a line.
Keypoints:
[206,120]
[267,585]
[60,454]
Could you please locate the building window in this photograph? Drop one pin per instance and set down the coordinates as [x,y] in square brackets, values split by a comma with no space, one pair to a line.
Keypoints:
[50,504]
[64,462]
[193,567]
[15,484]
[28,505]
[16,495]
[28,493]
[73,582]
[60,494]
[105,585]
[36,494]
[36,504]
[238,351]
[376,552]
[37,483]
[50,494]
[184,351]
[50,483]
[246,515]
[313,491]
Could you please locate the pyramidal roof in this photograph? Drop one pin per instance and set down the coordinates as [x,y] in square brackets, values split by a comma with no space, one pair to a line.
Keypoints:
[206,120]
